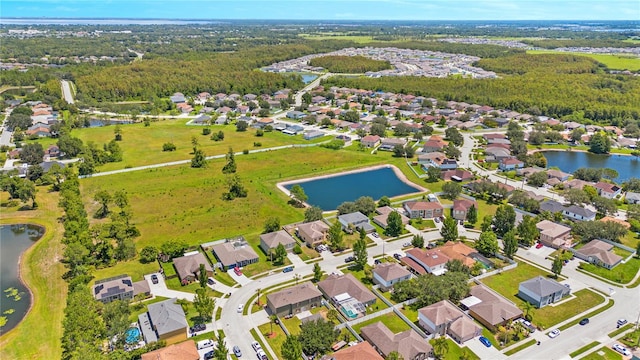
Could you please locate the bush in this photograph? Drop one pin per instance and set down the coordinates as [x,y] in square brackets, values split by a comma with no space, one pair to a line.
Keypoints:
[257,144]
[206,131]
[245,151]
[148,254]
[297,250]
[259,132]
[169,147]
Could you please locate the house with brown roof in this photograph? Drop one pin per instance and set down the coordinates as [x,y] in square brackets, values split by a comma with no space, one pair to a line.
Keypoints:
[435,143]
[445,318]
[234,252]
[510,164]
[616,220]
[389,143]
[361,351]
[188,267]
[114,288]
[422,261]
[600,253]
[423,209]
[313,233]
[461,207]
[576,184]
[383,214]
[459,251]
[456,175]
[185,350]
[370,141]
[489,308]
[607,190]
[388,274]
[270,241]
[346,293]
[409,344]
[295,299]
[554,235]
[557,174]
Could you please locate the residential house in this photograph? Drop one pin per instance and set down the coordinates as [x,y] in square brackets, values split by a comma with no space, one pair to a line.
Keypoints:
[388,144]
[383,214]
[312,134]
[632,197]
[408,344]
[423,209]
[360,351]
[185,350]
[347,294]
[459,251]
[579,213]
[269,241]
[296,115]
[607,190]
[557,174]
[39,131]
[141,287]
[188,267]
[600,253]
[435,143]
[496,153]
[294,299]
[541,291]
[234,252]
[616,220]
[355,221]
[510,164]
[370,141]
[554,235]
[52,151]
[461,208]
[445,318]
[489,308]
[456,175]
[576,184]
[177,98]
[164,320]
[115,288]
[313,233]
[422,261]
[437,159]
[387,274]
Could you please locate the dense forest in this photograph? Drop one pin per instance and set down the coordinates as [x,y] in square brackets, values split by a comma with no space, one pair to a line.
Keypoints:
[560,85]
[595,43]
[349,64]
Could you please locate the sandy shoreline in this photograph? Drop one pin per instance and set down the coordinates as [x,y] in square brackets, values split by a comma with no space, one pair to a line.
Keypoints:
[397,172]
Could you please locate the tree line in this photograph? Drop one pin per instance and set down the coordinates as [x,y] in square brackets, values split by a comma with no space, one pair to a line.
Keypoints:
[349,64]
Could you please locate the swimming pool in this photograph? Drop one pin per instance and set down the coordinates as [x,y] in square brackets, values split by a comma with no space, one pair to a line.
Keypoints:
[132,335]
[351,314]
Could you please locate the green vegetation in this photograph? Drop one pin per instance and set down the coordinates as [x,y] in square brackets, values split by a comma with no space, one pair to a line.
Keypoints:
[613,62]
[623,273]
[620,330]
[608,354]
[521,347]
[591,314]
[390,320]
[584,348]
[349,64]
[455,352]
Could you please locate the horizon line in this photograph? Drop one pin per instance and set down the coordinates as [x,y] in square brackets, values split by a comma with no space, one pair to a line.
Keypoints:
[333,20]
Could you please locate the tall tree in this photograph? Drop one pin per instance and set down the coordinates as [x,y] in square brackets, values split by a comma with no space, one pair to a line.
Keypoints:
[335,236]
[487,244]
[556,266]
[510,243]
[230,166]
[199,159]
[312,213]
[204,304]
[472,215]
[417,241]
[527,230]
[116,319]
[202,276]
[440,347]
[487,223]
[102,197]
[317,272]
[449,229]
[394,355]
[281,254]
[360,253]
[504,219]
[599,143]
[451,190]
[317,336]
[298,195]
[394,224]
[271,224]
[291,348]
[221,352]
[32,154]
[384,201]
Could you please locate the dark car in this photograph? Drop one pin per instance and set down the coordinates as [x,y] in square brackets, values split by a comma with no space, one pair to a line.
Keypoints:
[349,259]
[210,281]
[584,321]
[287,269]
[154,278]
[397,256]
[209,355]
[377,261]
[485,341]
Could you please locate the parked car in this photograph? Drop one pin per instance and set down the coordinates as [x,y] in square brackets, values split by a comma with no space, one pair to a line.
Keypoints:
[437,220]
[431,245]
[539,245]
[377,261]
[349,259]
[397,256]
[256,346]
[375,235]
[622,322]
[209,355]
[584,321]
[237,271]
[621,349]
[197,327]
[210,281]
[240,308]
[203,344]
[287,269]
[485,341]
[236,351]
[407,244]
[554,333]
[261,355]
[154,278]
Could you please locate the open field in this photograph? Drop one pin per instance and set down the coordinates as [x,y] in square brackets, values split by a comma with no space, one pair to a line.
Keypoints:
[40,331]
[620,274]
[613,62]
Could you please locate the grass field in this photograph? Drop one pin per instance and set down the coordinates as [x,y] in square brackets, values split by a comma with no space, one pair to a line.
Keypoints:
[613,62]
[41,330]
[391,320]
[607,354]
[621,274]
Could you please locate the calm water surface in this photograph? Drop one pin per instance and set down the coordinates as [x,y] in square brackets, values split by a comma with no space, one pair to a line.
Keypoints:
[328,193]
[15,301]
[570,161]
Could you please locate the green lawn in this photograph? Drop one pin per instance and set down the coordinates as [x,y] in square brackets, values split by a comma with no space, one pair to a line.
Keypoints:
[614,62]
[391,320]
[274,339]
[631,240]
[620,330]
[621,274]
[584,348]
[630,339]
[422,224]
[521,347]
[608,354]
[455,352]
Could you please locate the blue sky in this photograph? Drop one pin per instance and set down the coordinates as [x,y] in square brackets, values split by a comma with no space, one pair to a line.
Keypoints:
[328,9]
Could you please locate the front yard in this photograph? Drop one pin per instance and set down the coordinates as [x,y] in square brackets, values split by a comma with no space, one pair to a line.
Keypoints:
[621,274]
[455,352]
[390,320]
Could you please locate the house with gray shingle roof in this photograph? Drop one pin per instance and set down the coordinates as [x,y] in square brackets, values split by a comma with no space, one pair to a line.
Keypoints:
[632,197]
[294,299]
[541,291]
[387,274]
[271,240]
[356,220]
[445,318]
[164,320]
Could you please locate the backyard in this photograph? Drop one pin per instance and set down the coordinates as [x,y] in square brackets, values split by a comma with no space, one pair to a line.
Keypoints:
[621,274]
[391,320]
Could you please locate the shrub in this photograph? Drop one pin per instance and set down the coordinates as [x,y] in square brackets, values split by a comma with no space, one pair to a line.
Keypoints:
[257,144]
[169,147]
[206,131]
[245,151]
[297,250]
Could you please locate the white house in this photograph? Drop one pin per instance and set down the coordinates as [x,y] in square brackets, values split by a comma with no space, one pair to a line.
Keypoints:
[387,274]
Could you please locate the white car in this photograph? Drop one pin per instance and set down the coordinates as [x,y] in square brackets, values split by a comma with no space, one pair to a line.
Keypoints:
[554,333]
[622,322]
[256,346]
[240,308]
[621,349]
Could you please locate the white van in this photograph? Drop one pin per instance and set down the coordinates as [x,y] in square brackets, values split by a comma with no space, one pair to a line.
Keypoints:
[203,344]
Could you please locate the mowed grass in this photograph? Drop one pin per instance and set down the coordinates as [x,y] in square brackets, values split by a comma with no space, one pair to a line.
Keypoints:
[41,330]
[275,338]
[455,352]
[608,354]
[390,320]
[621,274]
[142,145]
[614,62]
[506,283]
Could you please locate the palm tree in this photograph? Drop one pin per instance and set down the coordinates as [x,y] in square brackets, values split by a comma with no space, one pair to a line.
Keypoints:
[258,291]
[440,347]
[332,315]
[272,319]
[527,308]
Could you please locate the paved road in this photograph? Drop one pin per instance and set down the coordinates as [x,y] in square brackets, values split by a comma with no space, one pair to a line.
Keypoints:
[66,91]
[5,137]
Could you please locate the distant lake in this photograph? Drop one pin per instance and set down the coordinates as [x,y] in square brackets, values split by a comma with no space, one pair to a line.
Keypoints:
[570,161]
[16,299]
[329,192]
[307,78]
